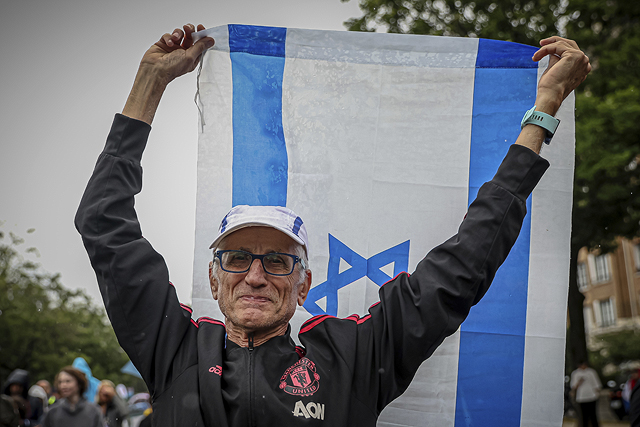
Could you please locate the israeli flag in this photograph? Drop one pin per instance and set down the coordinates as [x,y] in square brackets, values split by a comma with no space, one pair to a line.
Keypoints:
[380,142]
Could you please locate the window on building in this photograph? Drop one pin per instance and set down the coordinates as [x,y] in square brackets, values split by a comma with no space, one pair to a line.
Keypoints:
[597,313]
[588,319]
[583,282]
[607,311]
[602,268]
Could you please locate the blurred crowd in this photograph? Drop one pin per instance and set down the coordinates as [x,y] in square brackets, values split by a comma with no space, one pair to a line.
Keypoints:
[583,392]
[75,399]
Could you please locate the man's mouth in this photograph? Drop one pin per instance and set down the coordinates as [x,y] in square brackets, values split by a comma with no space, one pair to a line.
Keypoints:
[254,299]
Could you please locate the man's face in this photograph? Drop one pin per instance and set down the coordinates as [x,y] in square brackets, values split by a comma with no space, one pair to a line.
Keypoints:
[255,300]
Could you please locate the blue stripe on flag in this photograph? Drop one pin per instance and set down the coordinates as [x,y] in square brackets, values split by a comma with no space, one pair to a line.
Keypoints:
[501,54]
[491,358]
[267,41]
[260,163]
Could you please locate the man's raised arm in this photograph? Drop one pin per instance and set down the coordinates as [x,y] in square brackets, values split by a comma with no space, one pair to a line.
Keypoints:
[133,278]
[173,55]
[418,311]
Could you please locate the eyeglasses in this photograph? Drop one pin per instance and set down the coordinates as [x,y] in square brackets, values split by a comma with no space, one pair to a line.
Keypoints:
[275,263]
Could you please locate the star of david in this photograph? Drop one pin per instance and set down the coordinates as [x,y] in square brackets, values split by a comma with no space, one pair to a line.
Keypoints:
[360,267]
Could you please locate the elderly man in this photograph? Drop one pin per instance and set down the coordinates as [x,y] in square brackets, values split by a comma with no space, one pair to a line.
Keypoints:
[247,370]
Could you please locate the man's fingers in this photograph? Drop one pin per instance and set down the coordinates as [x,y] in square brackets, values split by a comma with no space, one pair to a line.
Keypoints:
[587,63]
[550,49]
[555,39]
[188,29]
[552,60]
[188,40]
[176,38]
[166,39]
[557,48]
[195,51]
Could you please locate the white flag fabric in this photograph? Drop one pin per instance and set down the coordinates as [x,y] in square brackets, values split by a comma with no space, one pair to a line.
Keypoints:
[380,142]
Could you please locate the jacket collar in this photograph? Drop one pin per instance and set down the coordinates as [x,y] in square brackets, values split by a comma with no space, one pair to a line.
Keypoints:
[281,343]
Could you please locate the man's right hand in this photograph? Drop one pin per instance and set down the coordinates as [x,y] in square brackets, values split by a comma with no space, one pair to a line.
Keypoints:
[176,54]
[173,55]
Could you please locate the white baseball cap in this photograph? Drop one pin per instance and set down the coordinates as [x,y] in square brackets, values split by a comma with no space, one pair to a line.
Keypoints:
[278,217]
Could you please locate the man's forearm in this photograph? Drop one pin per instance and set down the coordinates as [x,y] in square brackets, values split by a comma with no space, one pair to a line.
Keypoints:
[144,97]
[533,136]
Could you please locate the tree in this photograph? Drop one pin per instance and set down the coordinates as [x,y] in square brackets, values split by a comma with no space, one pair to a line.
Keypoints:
[44,326]
[607,179]
[619,349]
[519,21]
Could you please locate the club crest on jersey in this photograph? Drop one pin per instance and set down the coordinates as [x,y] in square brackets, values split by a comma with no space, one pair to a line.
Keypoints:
[300,379]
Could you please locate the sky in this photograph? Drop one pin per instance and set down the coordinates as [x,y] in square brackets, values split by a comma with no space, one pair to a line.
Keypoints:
[67,67]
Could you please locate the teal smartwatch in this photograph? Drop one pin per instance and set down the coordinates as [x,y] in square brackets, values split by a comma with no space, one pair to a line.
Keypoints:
[544,120]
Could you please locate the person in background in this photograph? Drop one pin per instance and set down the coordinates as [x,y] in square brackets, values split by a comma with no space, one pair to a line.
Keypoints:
[46,386]
[628,388]
[9,416]
[39,402]
[113,408]
[634,405]
[147,421]
[17,388]
[586,385]
[92,382]
[72,410]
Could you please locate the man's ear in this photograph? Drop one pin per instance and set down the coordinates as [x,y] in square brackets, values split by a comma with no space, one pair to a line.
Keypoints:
[303,291]
[213,282]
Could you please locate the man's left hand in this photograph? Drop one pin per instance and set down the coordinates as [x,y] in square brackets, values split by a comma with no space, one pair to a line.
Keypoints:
[568,67]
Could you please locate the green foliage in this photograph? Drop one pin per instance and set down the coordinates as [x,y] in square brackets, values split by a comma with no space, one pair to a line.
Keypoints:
[620,347]
[607,177]
[513,20]
[44,326]
[617,349]
[607,180]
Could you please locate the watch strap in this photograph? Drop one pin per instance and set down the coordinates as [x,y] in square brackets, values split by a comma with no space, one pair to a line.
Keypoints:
[544,120]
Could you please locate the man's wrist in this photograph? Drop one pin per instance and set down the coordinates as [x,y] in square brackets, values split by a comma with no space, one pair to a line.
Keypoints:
[548,104]
[145,95]
[532,138]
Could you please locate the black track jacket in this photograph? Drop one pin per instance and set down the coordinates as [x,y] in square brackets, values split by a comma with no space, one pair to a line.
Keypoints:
[346,371]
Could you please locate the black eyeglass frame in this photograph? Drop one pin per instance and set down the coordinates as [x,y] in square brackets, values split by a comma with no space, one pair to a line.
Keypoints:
[296,259]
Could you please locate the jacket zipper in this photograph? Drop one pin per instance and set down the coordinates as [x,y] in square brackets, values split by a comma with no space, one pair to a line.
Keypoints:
[251,384]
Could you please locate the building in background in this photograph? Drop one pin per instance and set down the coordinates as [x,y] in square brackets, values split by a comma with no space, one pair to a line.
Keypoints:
[611,286]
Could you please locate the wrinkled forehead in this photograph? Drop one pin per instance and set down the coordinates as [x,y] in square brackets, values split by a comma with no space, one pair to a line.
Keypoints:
[259,240]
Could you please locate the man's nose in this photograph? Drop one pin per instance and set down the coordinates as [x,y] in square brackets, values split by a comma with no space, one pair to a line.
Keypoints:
[256,276]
